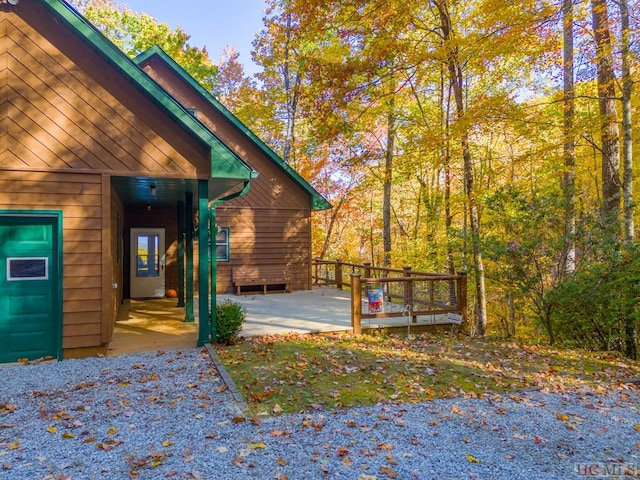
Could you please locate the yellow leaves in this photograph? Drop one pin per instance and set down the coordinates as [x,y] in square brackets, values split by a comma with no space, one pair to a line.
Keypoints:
[14,445]
[167,443]
[636,428]
[257,446]
[566,419]
[112,431]
[6,408]
[471,459]
[68,435]
[52,429]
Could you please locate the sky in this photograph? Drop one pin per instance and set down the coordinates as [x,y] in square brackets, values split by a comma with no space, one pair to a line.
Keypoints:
[211,23]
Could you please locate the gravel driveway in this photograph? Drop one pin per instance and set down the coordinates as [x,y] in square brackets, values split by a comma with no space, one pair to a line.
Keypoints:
[171,415]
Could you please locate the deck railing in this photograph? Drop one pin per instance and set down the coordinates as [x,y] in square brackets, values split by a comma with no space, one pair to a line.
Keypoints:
[379,292]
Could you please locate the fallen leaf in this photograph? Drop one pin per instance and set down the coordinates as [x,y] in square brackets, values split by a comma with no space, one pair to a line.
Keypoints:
[343,451]
[282,462]
[52,429]
[167,443]
[471,459]
[389,472]
[257,446]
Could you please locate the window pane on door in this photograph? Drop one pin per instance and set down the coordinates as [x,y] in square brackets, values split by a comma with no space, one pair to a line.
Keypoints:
[148,255]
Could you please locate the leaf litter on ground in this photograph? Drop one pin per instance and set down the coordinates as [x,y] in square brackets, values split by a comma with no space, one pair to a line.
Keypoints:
[300,372]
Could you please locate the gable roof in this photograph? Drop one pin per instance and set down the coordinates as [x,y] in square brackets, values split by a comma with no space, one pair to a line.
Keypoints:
[225,164]
[318,202]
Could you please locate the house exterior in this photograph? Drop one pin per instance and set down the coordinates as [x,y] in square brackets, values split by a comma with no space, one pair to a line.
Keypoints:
[106,178]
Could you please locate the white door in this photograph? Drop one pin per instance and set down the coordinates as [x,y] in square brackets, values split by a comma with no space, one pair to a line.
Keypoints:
[147,263]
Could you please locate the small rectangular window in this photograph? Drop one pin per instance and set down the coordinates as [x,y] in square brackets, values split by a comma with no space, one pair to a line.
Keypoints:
[222,244]
[27,268]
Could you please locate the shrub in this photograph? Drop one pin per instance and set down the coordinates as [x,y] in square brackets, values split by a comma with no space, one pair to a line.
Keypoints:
[229,318]
[598,308]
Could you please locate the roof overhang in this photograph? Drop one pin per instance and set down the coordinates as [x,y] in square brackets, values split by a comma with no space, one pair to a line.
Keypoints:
[227,169]
[318,202]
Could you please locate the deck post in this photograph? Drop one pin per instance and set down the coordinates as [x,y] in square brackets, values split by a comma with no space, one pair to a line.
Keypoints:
[203,263]
[367,269]
[189,316]
[338,274]
[461,302]
[356,304]
[408,292]
[180,254]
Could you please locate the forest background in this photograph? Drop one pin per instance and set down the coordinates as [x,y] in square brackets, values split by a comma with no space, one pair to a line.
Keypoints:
[488,136]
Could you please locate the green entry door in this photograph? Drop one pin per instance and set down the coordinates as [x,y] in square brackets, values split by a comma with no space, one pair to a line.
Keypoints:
[30,303]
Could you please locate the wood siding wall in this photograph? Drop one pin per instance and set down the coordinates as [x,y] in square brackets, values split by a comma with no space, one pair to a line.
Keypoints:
[267,237]
[79,197]
[63,107]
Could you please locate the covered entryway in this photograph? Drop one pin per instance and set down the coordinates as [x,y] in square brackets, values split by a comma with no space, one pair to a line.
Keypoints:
[31,285]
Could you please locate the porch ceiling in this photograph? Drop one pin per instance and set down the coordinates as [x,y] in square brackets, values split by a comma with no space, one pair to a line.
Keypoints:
[137,192]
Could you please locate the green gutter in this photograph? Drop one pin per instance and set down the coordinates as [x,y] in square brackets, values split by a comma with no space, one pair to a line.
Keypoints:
[224,162]
[318,202]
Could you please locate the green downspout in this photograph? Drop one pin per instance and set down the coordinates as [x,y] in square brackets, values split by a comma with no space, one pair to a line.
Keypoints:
[180,254]
[189,317]
[203,261]
[214,262]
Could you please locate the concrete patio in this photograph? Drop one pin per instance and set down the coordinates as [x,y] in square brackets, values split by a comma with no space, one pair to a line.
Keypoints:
[150,325]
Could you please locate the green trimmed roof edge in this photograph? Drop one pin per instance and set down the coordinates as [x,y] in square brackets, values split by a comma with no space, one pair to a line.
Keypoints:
[318,202]
[224,162]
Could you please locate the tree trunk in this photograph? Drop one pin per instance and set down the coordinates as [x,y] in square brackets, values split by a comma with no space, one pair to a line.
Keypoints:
[627,184]
[569,140]
[388,177]
[608,118]
[627,87]
[457,83]
[292,81]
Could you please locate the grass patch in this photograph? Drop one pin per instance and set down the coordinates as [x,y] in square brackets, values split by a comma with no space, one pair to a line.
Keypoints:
[296,373]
